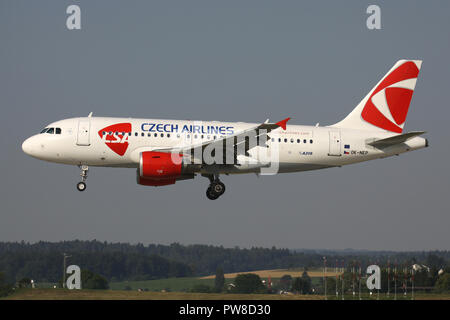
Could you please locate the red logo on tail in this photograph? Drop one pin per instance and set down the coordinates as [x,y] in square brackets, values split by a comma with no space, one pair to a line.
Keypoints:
[397,99]
[116,137]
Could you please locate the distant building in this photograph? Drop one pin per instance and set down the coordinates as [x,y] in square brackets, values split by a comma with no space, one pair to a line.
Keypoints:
[419,267]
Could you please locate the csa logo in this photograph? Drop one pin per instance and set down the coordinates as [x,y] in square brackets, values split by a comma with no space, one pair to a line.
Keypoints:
[116,137]
[388,105]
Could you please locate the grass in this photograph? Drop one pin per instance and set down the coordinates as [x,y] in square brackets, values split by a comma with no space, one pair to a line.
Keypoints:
[64,294]
[186,284]
[178,289]
[169,284]
[383,296]
[177,284]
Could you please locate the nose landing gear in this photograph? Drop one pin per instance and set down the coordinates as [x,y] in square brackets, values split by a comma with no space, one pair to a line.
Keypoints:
[216,188]
[81,186]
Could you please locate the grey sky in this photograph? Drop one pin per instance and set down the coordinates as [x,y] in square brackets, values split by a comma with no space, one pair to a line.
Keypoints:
[229,61]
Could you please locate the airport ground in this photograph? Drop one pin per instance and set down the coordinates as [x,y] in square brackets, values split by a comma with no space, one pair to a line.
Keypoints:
[181,289]
[64,294]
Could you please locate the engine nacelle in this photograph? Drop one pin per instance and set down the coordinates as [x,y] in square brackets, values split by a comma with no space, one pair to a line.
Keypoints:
[159,168]
[155,183]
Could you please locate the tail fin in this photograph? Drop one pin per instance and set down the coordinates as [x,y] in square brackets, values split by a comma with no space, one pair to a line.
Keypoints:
[386,106]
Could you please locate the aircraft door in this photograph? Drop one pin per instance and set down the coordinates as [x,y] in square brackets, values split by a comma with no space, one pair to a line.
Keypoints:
[83,135]
[335,143]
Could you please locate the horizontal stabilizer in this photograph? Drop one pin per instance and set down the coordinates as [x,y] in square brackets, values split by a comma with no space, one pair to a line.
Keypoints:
[383,143]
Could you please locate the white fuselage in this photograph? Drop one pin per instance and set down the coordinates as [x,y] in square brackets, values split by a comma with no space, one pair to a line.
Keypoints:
[166,151]
[98,141]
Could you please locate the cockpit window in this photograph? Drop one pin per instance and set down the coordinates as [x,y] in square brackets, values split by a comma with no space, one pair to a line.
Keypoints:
[51,130]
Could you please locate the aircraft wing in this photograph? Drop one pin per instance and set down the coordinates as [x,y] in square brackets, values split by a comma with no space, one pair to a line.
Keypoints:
[387,142]
[230,142]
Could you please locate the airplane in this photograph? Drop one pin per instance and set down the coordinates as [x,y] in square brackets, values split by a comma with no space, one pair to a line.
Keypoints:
[166,151]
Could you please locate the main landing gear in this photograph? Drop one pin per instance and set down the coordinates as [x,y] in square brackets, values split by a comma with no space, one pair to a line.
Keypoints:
[216,188]
[81,186]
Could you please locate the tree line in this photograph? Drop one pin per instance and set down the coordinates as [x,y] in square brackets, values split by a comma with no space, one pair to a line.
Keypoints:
[42,261]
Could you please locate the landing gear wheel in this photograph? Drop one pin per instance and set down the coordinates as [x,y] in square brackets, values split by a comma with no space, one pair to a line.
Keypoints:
[215,190]
[218,188]
[81,186]
[210,194]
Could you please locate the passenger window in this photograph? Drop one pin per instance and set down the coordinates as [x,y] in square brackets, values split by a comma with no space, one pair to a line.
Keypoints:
[304,141]
[162,135]
[155,135]
[292,140]
[310,141]
[58,130]
[285,140]
[149,134]
[51,131]
[142,134]
[298,140]
[168,135]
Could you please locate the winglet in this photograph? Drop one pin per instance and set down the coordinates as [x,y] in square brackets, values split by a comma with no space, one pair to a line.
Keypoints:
[282,123]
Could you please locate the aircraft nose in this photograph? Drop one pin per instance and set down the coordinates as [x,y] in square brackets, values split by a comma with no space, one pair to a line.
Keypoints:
[29,146]
[26,146]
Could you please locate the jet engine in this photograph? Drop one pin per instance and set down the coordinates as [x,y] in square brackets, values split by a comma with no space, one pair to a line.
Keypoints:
[159,168]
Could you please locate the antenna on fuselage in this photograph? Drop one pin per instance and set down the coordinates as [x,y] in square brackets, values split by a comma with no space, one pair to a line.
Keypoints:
[90,115]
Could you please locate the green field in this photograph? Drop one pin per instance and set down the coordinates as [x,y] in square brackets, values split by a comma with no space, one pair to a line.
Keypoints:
[186,284]
[176,284]
[169,284]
